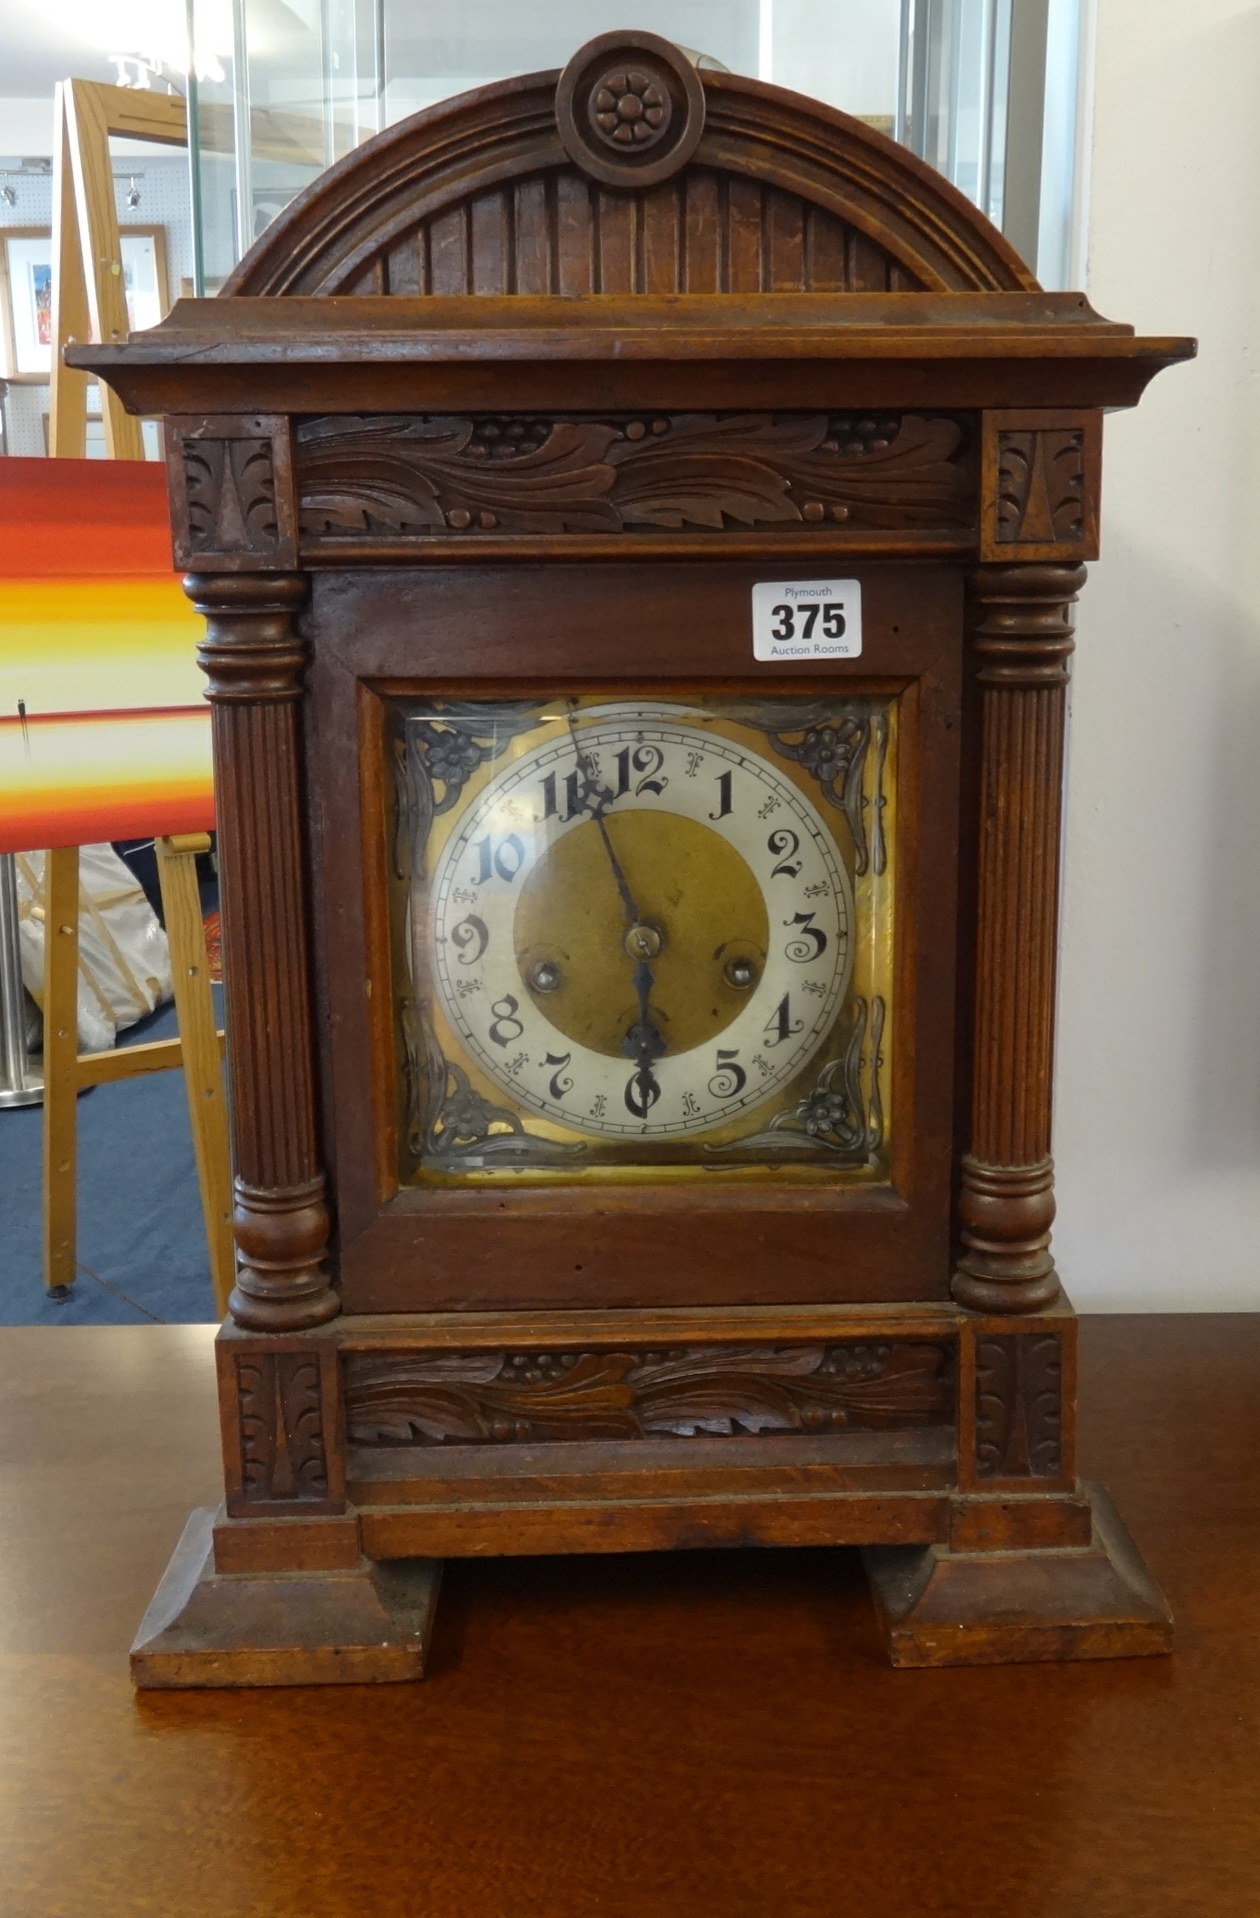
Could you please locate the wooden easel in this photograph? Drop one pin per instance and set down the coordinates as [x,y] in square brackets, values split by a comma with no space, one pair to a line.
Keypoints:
[89,296]
[89,300]
[198,1049]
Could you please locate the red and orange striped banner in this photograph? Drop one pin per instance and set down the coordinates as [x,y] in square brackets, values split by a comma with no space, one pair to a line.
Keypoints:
[104,733]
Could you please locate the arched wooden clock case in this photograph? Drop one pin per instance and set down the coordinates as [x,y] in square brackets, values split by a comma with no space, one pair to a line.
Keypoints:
[508,414]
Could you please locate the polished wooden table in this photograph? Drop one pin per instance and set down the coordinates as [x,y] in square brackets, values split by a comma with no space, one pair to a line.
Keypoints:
[684,1737]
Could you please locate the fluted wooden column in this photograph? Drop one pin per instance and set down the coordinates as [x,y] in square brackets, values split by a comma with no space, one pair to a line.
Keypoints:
[253,659]
[1022,635]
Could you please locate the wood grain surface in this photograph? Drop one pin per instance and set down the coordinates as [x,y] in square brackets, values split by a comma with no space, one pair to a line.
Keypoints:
[677,1736]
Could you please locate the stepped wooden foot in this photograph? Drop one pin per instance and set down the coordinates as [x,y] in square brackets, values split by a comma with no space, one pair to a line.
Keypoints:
[941,1607]
[364,1624]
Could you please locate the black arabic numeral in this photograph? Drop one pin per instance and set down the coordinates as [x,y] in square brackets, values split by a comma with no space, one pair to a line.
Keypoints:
[642,1093]
[506,1026]
[558,1086]
[573,806]
[811,620]
[724,796]
[470,931]
[779,1026]
[645,759]
[833,622]
[506,858]
[799,950]
[784,845]
[730,1079]
[786,628]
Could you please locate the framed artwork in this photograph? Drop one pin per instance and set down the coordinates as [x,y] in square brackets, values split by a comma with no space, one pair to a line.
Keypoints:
[26,292]
[26,295]
[144,275]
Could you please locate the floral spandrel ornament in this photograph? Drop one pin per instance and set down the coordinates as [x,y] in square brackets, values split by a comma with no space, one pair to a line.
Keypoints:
[828,751]
[452,758]
[832,747]
[630,109]
[828,1113]
[842,1119]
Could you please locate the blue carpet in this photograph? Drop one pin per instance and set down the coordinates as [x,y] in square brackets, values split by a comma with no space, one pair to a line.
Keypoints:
[142,1247]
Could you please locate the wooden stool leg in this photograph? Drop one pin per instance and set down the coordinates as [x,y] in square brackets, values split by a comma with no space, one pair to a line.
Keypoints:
[203,1073]
[61,1076]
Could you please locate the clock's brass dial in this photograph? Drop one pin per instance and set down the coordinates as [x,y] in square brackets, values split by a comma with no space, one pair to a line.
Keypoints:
[704,930]
[638,937]
[595,895]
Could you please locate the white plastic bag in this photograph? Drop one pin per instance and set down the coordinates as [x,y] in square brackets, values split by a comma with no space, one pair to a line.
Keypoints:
[124,963]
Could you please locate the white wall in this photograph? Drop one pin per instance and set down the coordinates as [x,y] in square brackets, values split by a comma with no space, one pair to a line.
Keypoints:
[1158,1117]
[26,126]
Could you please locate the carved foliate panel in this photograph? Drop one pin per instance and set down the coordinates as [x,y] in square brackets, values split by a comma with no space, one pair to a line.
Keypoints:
[282,1429]
[497,1397]
[231,484]
[1039,486]
[1019,1406]
[416,477]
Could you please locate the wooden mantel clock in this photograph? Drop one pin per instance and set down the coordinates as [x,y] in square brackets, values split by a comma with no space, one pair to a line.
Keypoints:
[637,515]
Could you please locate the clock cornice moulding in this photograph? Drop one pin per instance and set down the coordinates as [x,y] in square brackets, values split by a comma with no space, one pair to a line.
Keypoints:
[305,355]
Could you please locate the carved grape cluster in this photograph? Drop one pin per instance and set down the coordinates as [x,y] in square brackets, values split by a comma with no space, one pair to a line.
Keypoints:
[629,109]
[635,430]
[506,439]
[855,1361]
[853,436]
[538,1368]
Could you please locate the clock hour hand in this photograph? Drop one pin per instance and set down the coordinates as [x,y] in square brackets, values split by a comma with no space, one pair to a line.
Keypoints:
[642,942]
[643,1043]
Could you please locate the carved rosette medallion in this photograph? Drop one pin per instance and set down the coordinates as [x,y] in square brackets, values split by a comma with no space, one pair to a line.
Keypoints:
[498,1397]
[630,109]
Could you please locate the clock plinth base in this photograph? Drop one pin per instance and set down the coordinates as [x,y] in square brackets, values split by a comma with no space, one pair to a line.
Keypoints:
[362,1624]
[941,1607]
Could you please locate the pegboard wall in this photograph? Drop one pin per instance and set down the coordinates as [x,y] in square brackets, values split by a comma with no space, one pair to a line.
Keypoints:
[162,181]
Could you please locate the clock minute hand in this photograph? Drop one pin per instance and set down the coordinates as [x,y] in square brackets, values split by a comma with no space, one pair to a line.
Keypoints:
[597,799]
[633,915]
[643,1042]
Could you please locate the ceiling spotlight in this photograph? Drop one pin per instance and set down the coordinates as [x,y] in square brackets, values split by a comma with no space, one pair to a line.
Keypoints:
[7,193]
[133,192]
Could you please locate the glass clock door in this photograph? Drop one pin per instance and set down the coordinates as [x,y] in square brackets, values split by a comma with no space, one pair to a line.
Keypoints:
[645,937]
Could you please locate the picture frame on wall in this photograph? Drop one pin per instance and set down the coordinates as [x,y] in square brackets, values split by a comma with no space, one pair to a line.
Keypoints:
[26,292]
[144,275]
[26,298]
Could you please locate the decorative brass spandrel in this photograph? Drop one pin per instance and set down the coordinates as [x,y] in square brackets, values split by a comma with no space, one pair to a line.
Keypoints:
[601,974]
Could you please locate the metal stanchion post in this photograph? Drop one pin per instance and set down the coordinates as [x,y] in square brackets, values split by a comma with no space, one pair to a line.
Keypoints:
[20,1082]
